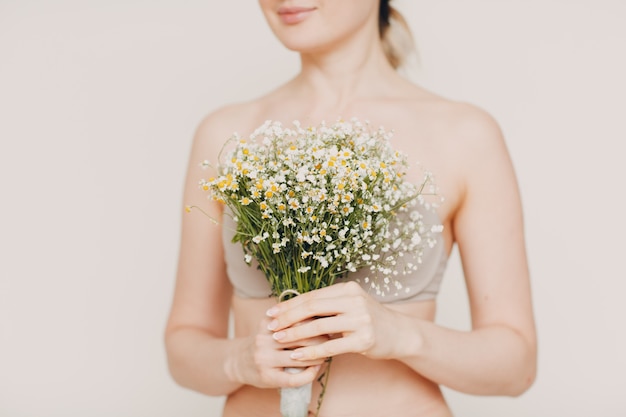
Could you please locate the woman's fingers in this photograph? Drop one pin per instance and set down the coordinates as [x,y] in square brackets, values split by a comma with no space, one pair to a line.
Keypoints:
[287,361]
[329,301]
[270,353]
[308,309]
[316,331]
[265,359]
[350,319]
[333,347]
[333,291]
[295,343]
[286,379]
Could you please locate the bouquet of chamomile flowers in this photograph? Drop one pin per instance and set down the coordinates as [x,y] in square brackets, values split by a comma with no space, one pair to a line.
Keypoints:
[314,204]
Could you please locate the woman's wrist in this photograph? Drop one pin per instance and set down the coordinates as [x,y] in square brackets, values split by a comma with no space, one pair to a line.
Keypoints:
[410,343]
[232,363]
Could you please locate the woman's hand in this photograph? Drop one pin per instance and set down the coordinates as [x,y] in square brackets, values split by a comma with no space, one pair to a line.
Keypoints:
[353,320]
[261,361]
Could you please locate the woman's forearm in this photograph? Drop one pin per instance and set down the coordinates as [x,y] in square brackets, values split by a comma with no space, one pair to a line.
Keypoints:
[492,360]
[203,363]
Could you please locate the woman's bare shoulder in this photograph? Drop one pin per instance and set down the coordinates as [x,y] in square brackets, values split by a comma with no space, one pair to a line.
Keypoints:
[458,138]
[469,124]
[241,118]
[471,131]
[455,128]
[221,123]
[456,120]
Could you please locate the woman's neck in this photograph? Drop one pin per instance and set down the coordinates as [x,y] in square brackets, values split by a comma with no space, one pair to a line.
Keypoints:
[335,78]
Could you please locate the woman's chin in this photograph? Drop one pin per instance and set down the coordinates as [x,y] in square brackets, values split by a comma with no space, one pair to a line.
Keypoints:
[302,44]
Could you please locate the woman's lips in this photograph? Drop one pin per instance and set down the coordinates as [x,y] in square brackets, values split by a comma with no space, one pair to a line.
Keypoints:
[293,15]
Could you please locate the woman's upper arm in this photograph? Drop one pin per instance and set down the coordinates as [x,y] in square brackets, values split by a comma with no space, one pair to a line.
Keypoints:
[489,230]
[202,293]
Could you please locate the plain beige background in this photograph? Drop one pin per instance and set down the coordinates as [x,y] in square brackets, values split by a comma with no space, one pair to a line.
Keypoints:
[99,100]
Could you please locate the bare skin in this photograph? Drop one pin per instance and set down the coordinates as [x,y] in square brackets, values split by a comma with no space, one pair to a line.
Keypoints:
[389,359]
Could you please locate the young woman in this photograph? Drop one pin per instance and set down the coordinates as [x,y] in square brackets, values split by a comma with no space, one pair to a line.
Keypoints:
[389,358]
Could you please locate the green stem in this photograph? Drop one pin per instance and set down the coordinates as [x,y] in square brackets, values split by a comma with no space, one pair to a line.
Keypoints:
[324,384]
[189,208]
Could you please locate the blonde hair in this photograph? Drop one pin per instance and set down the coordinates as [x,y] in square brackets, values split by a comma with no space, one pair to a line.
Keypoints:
[398,43]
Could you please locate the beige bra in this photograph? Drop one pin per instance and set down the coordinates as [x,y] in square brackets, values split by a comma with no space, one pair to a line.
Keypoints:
[423,284]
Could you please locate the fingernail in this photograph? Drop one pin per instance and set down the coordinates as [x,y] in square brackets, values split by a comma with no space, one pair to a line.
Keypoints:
[296,355]
[279,335]
[273,325]
[271,312]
